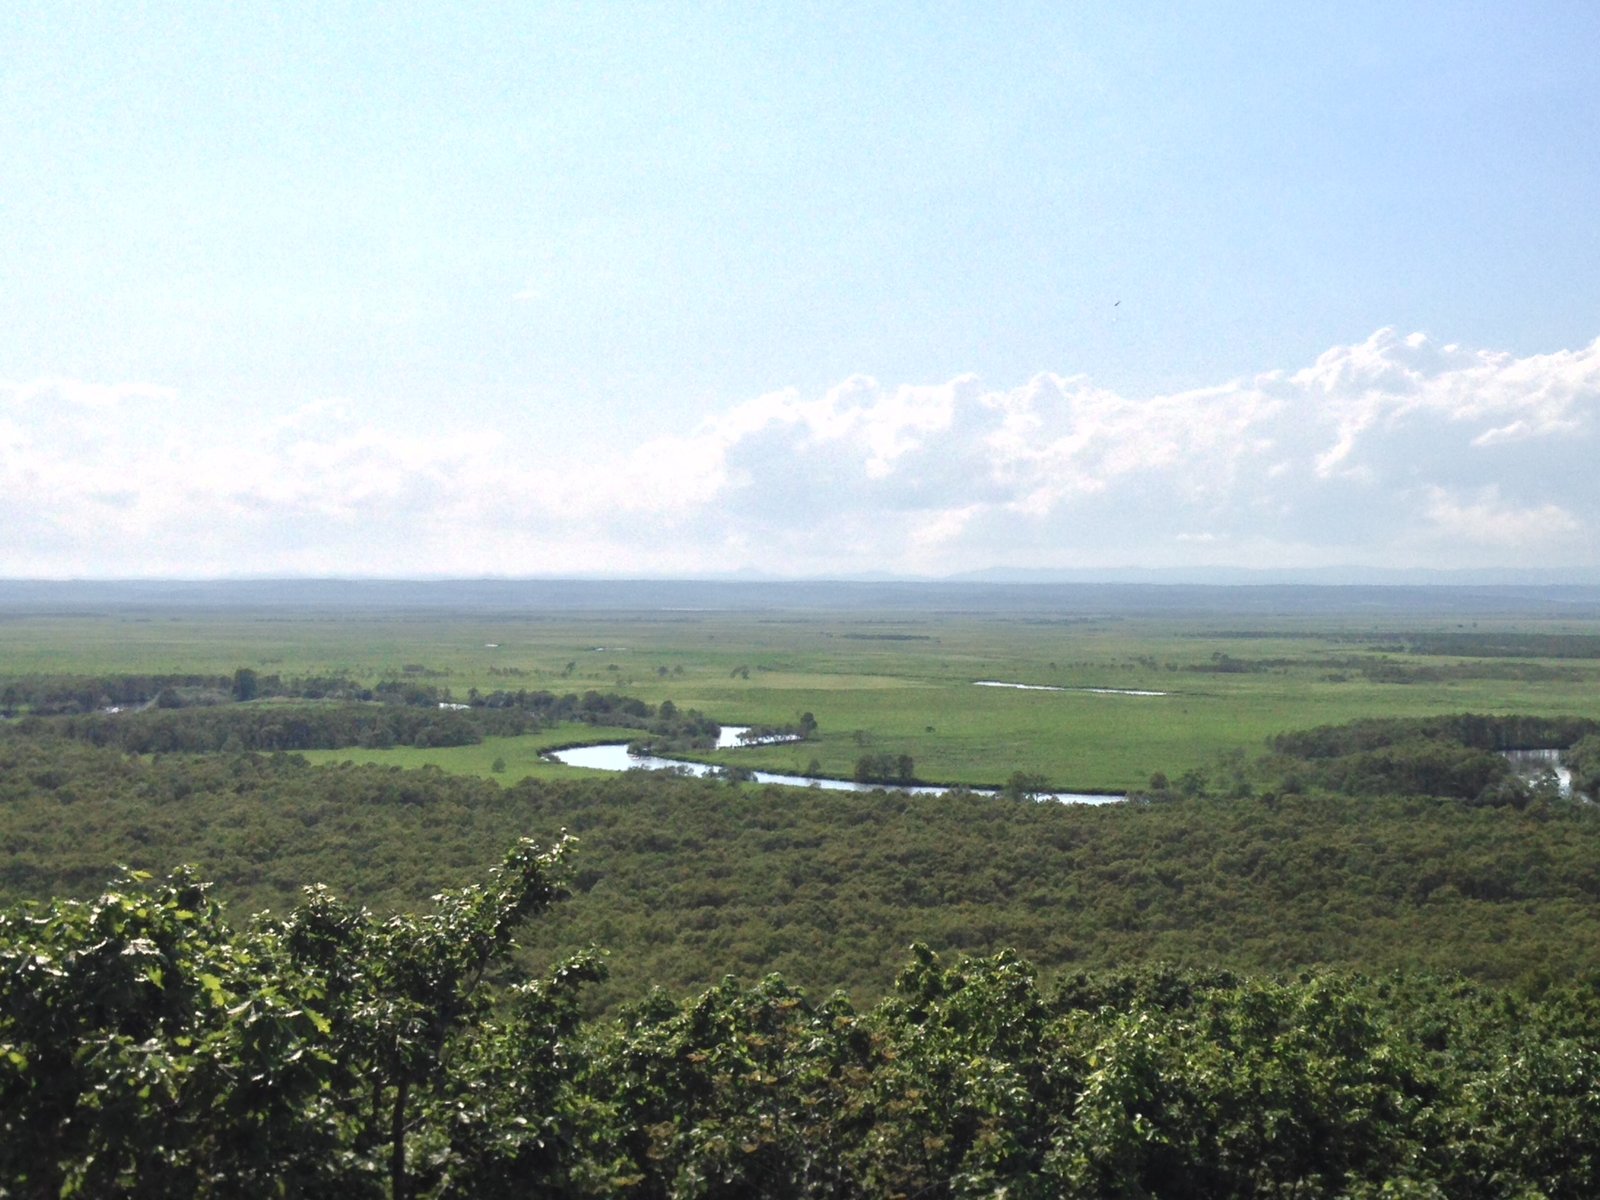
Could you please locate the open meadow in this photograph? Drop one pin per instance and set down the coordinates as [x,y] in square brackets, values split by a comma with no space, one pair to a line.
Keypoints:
[896,680]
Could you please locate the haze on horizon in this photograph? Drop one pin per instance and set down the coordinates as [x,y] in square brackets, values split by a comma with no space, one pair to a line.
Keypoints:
[655,289]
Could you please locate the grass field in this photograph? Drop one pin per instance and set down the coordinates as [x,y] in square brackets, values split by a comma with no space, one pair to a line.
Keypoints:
[520,756]
[877,682]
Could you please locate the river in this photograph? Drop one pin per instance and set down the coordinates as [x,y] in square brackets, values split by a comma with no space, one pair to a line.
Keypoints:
[614,756]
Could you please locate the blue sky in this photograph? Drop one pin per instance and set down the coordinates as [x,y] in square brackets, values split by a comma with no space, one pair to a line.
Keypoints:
[681,289]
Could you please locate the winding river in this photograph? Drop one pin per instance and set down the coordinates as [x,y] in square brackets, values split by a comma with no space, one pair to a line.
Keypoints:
[614,756]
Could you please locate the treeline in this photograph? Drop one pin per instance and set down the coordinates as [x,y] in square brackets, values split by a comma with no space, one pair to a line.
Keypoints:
[150,1049]
[664,722]
[272,727]
[671,730]
[50,695]
[1459,756]
[1503,644]
[799,730]
[885,768]
[332,725]
[1418,767]
[77,695]
[56,695]
[1388,670]
[1474,730]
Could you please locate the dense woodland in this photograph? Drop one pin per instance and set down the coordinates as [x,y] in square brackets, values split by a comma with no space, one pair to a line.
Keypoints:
[1360,964]
[149,1048]
[1420,850]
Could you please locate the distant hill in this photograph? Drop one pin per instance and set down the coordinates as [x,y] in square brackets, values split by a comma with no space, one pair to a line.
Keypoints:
[1337,576]
[1247,595]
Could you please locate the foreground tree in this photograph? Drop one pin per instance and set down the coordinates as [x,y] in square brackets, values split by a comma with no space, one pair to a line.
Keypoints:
[145,1050]
[403,993]
[148,1050]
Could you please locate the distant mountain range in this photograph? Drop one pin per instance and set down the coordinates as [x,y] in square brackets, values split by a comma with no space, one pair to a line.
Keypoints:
[1040,593]
[1341,576]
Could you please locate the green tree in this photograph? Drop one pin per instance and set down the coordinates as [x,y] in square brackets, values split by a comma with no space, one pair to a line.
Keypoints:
[1025,785]
[400,992]
[147,1050]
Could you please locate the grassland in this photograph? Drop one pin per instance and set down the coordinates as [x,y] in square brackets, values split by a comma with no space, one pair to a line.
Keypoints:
[518,757]
[878,682]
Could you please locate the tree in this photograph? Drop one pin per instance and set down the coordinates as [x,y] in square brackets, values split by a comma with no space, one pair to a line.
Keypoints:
[146,1049]
[246,685]
[1025,785]
[885,768]
[401,991]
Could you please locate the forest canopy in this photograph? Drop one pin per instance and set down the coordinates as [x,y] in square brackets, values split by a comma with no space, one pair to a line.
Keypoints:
[150,1048]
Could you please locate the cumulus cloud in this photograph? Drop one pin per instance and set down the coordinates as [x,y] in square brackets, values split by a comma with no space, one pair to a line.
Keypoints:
[1387,451]
[1394,451]
[1485,519]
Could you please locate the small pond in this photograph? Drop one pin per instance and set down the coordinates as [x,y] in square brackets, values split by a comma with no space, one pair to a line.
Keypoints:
[1045,687]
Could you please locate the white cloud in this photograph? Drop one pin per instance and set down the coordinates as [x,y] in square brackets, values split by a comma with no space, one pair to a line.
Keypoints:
[1392,451]
[1484,518]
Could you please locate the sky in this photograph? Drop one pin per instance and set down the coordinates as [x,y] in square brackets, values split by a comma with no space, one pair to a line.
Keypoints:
[797,289]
